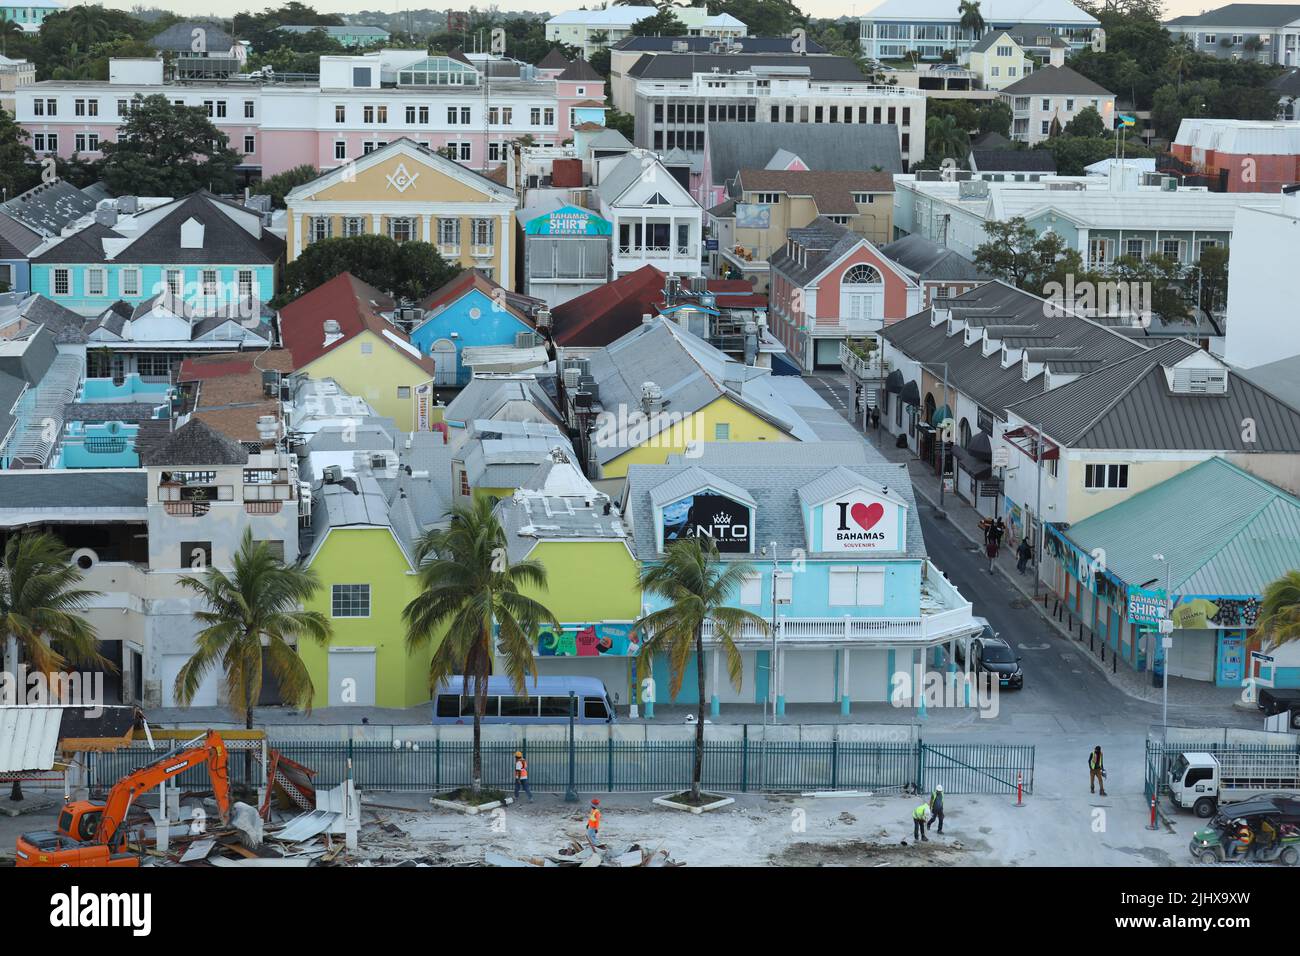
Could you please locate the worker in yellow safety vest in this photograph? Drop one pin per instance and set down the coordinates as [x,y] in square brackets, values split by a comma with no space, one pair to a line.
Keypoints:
[918,822]
[521,775]
[593,824]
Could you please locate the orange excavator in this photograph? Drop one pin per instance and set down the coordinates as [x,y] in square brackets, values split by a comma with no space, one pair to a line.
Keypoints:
[90,834]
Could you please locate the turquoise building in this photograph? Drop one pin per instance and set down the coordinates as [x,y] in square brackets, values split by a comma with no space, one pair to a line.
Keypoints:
[29,16]
[213,254]
[831,535]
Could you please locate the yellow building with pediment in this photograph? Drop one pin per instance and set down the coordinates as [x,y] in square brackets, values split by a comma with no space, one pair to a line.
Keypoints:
[408,192]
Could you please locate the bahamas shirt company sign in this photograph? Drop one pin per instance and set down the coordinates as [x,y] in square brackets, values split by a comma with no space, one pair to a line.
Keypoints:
[859,521]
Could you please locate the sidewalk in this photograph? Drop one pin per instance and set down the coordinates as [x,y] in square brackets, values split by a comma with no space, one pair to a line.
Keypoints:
[963,517]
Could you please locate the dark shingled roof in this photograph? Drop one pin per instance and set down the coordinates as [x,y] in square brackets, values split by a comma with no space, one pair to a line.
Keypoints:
[1056,79]
[837,69]
[554,60]
[825,242]
[195,443]
[73,489]
[179,37]
[1013,161]
[1288,84]
[657,44]
[929,261]
[989,39]
[580,71]
[823,146]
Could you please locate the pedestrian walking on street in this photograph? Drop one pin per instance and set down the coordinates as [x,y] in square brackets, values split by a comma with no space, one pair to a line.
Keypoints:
[999,531]
[1096,771]
[593,825]
[521,775]
[875,418]
[918,823]
[991,549]
[936,807]
[1025,553]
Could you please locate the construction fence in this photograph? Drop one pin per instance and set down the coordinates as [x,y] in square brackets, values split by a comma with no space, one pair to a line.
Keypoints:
[1162,754]
[609,766]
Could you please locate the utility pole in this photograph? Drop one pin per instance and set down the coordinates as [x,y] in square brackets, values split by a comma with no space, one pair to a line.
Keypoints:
[1165,630]
[1041,535]
[944,428]
[771,666]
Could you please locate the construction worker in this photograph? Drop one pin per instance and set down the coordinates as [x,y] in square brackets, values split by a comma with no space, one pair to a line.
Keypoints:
[936,807]
[1096,771]
[1242,838]
[521,775]
[918,822]
[593,824]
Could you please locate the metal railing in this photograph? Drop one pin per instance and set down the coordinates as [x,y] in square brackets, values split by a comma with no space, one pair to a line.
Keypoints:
[730,766]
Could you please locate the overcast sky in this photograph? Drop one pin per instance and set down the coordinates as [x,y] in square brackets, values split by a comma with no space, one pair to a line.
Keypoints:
[816,8]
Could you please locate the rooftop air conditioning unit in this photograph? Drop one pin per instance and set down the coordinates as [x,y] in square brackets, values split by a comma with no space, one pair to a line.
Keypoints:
[525,340]
[333,474]
[571,378]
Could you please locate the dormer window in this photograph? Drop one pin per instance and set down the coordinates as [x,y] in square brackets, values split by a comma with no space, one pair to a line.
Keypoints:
[1200,381]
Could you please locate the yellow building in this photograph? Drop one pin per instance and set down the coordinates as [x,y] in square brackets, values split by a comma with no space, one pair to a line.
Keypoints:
[408,192]
[999,60]
[338,331]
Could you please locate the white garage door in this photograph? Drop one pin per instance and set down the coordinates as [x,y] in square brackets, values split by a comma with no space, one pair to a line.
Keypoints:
[352,677]
[208,693]
[1193,654]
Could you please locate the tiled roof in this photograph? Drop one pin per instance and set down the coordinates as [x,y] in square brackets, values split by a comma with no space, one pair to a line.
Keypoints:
[554,60]
[580,71]
[604,314]
[195,444]
[229,392]
[46,209]
[179,37]
[523,307]
[354,305]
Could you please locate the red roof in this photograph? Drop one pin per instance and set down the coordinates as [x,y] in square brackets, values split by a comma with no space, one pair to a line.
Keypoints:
[354,305]
[192,371]
[610,312]
[517,304]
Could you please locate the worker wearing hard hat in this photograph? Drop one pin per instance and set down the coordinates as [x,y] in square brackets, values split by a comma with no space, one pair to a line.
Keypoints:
[936,807]
[918,822]
[521,775]
[593,824]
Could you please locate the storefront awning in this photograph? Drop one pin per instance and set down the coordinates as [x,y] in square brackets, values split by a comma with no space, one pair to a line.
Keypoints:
[980,447]
[941,414]
[910,394]
[978,468]
[894,383]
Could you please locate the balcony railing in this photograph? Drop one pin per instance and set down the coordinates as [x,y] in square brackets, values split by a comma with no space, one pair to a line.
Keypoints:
[858,366]
[262,507]
[926,629]
[187,509]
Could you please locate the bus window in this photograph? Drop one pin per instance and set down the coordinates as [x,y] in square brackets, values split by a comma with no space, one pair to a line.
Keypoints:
[593,708]
[467,706]
[555,707]
[519,706]
[448,705]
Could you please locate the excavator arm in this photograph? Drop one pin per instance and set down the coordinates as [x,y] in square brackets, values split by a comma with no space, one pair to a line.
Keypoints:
[208,748]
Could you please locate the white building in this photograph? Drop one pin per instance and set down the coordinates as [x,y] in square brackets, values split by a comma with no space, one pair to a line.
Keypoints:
[1268,32]
[930,28]
[1054,93]
[655,220]
[998,60]
[592,30]
[1260,328]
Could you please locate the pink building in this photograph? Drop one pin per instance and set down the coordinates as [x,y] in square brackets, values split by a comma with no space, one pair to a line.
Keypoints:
[473,104]
[829,284]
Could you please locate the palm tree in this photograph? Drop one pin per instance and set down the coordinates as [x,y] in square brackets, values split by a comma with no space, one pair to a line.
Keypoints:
[89,23]
[697,586]
[945,138]
[971,18]
[258,600]
[41,601]
[1279,611]
[470,588]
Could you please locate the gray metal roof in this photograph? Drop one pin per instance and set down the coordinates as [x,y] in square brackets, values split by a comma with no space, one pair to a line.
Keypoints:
[1056,80]
[1242,15]
[1129,405]
[578,514]
[837,69]
[486,396]
[762,453]
[775,491]
[29,737]
[929,261]
[1004,311]
[1250,537]
[822,146]
[74,488]
[1012,161]
[658,44]
[824,242]
[46,209]
[693,480]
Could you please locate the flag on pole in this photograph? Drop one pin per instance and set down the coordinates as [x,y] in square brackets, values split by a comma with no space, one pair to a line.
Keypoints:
[1121,120]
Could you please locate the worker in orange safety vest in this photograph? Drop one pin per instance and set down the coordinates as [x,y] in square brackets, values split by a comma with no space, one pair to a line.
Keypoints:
[593,824]
[521,775]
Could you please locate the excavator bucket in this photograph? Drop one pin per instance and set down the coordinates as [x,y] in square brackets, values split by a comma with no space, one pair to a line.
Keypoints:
[247,822]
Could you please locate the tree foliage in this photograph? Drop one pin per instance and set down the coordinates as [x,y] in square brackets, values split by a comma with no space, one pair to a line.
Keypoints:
[1074,153]
[765,18]
[405,270]
[280,184]
[18,169]
[665,23]
[168,150]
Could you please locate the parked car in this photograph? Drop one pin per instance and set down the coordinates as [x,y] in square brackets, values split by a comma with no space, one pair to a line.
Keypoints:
[995,656]
[986,633]
[1284,806]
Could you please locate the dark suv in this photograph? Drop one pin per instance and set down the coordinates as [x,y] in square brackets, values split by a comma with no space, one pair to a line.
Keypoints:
[994,655]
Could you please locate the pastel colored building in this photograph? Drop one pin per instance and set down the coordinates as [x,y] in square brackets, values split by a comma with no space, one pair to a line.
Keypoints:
[354,105]
[471,311]
[896,29]
[593,30]
[408,192]
[1239,156]
[1265,32]
[30,15]
[339,331]
[1054,94]
[209,252]
[831,533]
[830,284]
[998,60]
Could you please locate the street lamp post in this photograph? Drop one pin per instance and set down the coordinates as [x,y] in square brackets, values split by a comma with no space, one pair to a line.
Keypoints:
[1165,629]
[571,794]
[944,428]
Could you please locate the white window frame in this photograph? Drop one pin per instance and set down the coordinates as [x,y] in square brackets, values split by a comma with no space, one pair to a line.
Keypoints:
[66,276]
[132,287]
[351,599]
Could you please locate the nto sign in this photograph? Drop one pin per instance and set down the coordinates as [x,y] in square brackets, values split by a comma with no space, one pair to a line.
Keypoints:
[860,522]
[708,515]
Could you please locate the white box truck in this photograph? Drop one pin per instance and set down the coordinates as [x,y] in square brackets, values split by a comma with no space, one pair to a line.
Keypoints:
[1202,781]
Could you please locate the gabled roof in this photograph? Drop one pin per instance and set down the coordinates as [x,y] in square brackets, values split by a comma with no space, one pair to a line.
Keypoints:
[179,37]
[1056,80]
[831,190]
[824,242]
[1243,15]
[486,184]
[356,307]
[46,209]
[194,444]
[580,71]
[232,235]
[226,389]
[823,146]
[1247,538]
[27,309]
[659,44]
[929,261]
[522,307]
[1129,405]
[609,311]
[1288,84]
[485,396]
[990,38]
